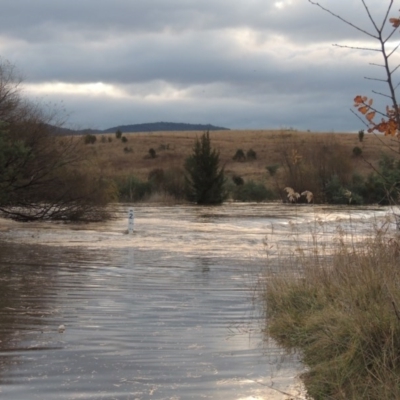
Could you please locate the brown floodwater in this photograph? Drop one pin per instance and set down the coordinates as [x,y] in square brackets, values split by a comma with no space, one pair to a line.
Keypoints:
[166,312]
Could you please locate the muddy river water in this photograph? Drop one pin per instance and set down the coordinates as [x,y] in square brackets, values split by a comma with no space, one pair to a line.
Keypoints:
[166,312]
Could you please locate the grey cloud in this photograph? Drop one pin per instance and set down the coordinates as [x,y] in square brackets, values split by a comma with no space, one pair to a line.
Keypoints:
[46,20]
[147,47]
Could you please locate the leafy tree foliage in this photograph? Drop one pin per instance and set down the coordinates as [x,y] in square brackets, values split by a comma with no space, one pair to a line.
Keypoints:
[43,174]
[205,179]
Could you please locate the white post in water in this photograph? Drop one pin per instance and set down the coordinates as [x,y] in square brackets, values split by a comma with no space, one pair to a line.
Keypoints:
[130,220]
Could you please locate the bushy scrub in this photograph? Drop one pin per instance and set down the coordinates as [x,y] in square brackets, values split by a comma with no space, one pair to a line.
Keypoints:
[383,187]
[133,189]
[357,151]
[237,180]
[335,193]
[89,139]
[342,313]
[272,169]
[311,166]
[251,155]
[170,181]
[252,191]
[239,155]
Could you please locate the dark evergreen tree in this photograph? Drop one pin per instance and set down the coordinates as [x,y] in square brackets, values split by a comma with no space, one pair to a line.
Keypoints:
[204,179]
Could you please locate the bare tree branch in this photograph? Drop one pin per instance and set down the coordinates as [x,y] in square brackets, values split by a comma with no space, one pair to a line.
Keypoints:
[386,15]
[381,94]
[394,70]
[370,17]
[356,48]
[363,121]
[377,65]
[375,79]
[393,50]
[343,20]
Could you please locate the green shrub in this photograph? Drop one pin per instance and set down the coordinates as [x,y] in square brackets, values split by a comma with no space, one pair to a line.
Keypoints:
[357,151]
[272,169]
[118,134]
[239,155]
[335,193]
[124,139]
[251,155]
[238,180]
[133,189]
[89,139]
[252,191]
[383,187]
[361,135]
[152,153]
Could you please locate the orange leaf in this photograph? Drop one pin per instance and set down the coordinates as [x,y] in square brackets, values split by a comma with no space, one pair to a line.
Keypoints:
[363,109]
[370,116]
[370,102]
[395,22]
[358,99]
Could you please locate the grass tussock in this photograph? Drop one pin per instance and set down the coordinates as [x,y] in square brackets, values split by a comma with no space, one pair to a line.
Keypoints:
[342,313]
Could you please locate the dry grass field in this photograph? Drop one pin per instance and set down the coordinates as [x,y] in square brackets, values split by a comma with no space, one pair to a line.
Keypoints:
[172,148]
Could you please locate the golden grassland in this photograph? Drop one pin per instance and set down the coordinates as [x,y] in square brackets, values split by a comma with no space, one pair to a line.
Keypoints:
[172,148]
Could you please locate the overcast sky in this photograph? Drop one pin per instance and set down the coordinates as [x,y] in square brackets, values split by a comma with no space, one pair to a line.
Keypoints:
[256,64]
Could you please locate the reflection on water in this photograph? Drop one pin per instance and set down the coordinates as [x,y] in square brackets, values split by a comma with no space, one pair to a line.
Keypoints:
[164,313]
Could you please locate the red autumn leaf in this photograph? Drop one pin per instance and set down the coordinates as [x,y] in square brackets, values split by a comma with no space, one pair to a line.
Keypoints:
[395,22]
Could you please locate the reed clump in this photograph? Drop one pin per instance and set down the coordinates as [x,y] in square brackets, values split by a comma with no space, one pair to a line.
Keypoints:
[341,312]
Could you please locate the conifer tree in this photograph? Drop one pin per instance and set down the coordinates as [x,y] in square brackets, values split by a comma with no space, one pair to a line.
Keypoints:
[205,179]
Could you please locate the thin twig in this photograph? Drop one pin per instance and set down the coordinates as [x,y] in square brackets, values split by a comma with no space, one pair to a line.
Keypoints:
[381,94]
[343,20]
[355,48]
[359,118]
[396,310]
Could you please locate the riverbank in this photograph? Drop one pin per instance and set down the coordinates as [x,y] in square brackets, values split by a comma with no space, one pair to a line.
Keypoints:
[339,306]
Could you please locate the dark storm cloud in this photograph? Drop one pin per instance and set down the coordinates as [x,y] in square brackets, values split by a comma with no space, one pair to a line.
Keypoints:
[46,19]
[240,64]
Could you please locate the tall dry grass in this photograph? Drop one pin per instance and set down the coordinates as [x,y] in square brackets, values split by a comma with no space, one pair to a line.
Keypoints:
[172,148]
[340,309]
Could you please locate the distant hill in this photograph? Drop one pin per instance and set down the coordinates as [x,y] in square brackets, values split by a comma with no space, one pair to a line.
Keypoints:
[164,126]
